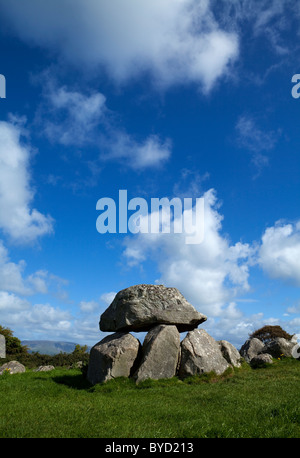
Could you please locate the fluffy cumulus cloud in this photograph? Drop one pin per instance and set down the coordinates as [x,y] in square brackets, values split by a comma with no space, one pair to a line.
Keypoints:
[177,41]
[27,319]
[31,319]
[17,217]
[279,254]
[209,274]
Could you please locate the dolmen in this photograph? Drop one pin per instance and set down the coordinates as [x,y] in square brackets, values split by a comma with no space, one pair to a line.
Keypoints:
[163,313]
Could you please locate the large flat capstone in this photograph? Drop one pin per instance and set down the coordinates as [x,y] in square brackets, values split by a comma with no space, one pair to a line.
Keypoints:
[140,307]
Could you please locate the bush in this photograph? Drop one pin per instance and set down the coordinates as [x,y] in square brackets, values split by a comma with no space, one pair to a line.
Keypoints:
[268,333]
[14,347]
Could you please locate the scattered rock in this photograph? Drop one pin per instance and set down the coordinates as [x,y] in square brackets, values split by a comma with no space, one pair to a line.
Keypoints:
[200,353]
[77,365]
[114,356]
[140,307]
[44,368]
[261,360]
[251,348]
[13,367]
[279,346]
[160,353]
[230,353]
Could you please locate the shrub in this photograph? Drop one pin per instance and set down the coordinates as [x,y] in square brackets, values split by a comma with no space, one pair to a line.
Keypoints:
[268,333]
[14,347]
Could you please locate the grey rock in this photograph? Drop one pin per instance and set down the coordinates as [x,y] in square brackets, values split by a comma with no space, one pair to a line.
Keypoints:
[112,357]
[13,367]
[200,353]
[230,353]
[296,351]
[44,368]
[251,348]
[2,347]
[279,346]
[160,354]
[261,360]
[140,307]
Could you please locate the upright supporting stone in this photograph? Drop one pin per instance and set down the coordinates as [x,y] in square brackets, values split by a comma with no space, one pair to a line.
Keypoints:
[200,353]
[2,346]
[112,357]
[160,353]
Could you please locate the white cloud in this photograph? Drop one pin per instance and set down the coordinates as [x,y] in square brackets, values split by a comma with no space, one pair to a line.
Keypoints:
[72,118]
[14,280]
[150,153]
[177,41]
[76,115]
[254,139]
[107,298]
[17,219]
[279,254]
[28,320]
[11,274]
[11,304]
[209,274]
[88,306]
[268,19]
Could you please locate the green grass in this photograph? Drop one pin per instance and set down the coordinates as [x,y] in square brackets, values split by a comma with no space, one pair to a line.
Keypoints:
[246,403]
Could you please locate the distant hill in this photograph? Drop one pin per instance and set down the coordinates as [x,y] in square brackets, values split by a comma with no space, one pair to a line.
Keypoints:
[49,347]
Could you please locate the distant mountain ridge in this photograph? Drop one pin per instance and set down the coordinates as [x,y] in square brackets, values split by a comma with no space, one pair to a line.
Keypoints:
[49,347]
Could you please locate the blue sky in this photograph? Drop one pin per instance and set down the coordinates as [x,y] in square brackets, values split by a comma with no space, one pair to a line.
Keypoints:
[180,98]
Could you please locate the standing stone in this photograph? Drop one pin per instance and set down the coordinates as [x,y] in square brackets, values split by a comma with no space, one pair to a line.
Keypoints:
[160,353]
[230,353]
[2,347]
[251,348]
[140,307]
[200,353]
[112,357]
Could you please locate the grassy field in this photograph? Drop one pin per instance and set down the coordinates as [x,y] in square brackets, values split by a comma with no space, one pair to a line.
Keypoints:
[246,403]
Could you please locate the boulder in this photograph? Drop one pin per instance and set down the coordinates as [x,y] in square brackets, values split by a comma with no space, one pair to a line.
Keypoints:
[112,357]
[140,307]
[44,368]
[13,367]
[2,347]
[251,348]
[279,346]
[261,360]
[296,351]
[230,353]
[160,353]
[200,353]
